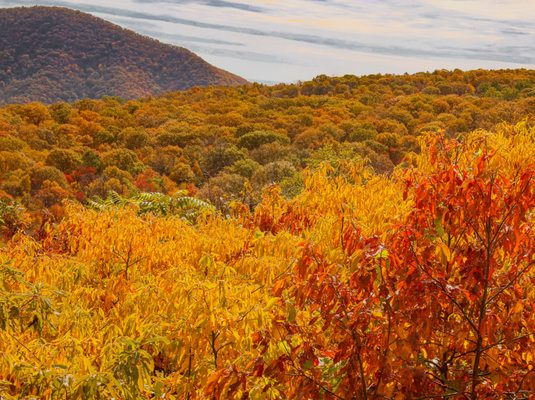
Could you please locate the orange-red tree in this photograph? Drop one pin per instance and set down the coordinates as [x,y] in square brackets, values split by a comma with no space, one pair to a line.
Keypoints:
[443,307]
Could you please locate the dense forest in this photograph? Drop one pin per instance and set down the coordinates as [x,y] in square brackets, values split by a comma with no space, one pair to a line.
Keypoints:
[73,55]
[225,144]
[344,238]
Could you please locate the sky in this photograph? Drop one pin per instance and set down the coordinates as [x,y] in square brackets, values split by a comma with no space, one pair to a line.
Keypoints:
[295,40]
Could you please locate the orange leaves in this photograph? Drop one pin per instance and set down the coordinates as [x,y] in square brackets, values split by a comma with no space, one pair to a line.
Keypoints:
[436,299]
[345,291]
[211,388]
[278,287]
[302,266]
[459,241]
[258,369]
[286,217]
[351,237]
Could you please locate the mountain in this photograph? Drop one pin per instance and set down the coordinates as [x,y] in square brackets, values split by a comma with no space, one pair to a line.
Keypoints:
[50,54]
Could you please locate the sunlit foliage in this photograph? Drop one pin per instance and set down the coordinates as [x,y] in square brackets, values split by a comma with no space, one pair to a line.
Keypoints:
[227,144]
[419,284]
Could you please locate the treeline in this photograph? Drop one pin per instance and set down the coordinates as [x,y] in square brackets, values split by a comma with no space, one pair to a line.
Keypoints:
[225,144]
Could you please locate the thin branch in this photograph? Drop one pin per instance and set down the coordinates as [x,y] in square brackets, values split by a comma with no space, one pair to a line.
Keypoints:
[444,290]
[23,345]
[511,282]
[522,382]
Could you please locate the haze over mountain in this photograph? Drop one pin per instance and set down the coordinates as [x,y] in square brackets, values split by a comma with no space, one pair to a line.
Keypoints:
[49,54]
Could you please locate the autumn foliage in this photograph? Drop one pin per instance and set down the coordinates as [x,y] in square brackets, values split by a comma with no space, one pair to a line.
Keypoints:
[415,285]
[229,144]
[441,306]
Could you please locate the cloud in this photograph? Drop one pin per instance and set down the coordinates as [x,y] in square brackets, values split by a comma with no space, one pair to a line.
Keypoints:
[239,54]
[150,29]
[512,31]
[211,3]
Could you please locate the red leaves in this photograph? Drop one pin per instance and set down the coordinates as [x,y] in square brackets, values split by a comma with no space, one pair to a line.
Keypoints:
[213,386]
[351,237]
[224,383]
[278,287]
[429,306]
[274,215]
[466,227]
[258,369]
[260,340]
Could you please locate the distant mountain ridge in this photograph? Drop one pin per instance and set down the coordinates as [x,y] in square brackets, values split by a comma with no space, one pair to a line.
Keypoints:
[51,54]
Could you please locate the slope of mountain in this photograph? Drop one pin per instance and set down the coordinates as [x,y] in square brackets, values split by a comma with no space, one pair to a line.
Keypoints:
[49,54]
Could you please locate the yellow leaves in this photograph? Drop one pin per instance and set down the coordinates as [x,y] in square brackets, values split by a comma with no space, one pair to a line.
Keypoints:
[371,202]
[528,358]
[194,295]
[517,311]
[377,313]
[129,326]
[207,264]
[271,303]
[284,347]
[403,331]
[444,252]
[518,307]
[86,365]
[514,146]
[424,352]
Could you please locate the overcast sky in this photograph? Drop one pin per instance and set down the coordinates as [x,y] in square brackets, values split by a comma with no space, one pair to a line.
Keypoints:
[290,40]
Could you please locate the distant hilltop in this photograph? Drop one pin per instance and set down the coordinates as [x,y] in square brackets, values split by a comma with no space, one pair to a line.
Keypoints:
[51,54]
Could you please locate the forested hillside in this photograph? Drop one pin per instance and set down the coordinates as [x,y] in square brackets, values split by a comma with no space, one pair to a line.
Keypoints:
[51,54]
[345,238]
[225,144]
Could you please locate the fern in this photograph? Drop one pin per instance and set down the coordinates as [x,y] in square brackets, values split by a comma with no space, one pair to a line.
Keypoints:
[188,208]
